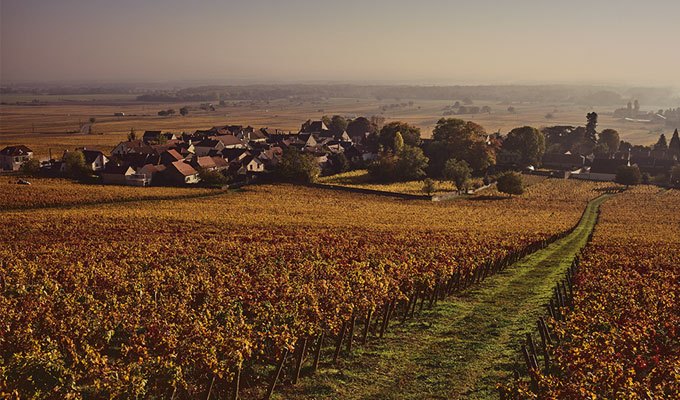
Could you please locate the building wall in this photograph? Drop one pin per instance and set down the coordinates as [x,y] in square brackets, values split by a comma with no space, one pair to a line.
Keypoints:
[13,163]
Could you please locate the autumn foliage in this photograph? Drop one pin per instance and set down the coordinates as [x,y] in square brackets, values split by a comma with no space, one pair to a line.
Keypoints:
[623,338]
[164,298]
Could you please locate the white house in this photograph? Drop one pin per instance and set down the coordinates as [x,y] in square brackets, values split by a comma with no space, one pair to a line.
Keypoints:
[12,157]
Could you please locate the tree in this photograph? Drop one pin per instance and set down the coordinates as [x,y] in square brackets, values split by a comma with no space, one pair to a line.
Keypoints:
[339,163]
[601,150]
[610,137]
[361,127]
[455,138]
[512,110]
[636,108]
[528,142]
[675,175]
[31,167]
[409,164]
[429,186]
[132,135]
[626,175]
[74,164]
[591,127]
[510,183]
[184,111]
[90,127]
[298,167]
[674,145]
[661,144]
[212,178]
[398,145]
[337,124]
[625,146]
[458,172]
[410,134]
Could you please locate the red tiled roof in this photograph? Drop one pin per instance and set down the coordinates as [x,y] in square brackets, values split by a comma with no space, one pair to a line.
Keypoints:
[184,168]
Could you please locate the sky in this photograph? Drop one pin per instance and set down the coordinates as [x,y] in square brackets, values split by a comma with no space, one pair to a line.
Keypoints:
[381,41]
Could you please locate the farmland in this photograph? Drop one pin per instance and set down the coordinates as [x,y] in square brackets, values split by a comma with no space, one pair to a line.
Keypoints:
[163,297]
[622,339]
[56,125]
[45,192]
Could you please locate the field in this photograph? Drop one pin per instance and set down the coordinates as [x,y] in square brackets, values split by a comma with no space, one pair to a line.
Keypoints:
[169,297]
[44,192]
[623,340]
[361,180]
[56,124]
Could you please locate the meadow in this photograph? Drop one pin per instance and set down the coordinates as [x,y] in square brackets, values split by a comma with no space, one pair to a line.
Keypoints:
[56,124]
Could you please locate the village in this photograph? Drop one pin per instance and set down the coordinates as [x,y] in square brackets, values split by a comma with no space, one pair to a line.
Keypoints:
[241,154]
[237,155]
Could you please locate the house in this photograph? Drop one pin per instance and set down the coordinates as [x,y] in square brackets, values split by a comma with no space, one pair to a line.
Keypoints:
[230,141]
[182,173]
[204,162]
[150,171]
[131,147]
[313,127]
[359,138]
[221,164]
[253,136]
[205,147]
[170,156]
[234,154]
[12,157]
[113,174]
[602,169]
[95,160]
[271,156]
[307,139]
[250,165]
[566,161]
[653,165]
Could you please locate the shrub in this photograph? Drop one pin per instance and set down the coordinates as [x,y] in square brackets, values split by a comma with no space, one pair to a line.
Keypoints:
[510,183]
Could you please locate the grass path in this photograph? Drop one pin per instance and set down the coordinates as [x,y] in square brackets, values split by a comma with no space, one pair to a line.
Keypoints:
[463,347]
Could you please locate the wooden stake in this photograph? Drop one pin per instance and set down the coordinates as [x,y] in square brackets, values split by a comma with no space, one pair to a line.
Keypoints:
[350,335]
[367,326]
[317,354]
[237,383]
[275,378]
[210,389]
[338,343]
[302,345]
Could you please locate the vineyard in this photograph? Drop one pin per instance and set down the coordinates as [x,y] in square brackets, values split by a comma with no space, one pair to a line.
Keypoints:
[622,338]
[45,192]
[177,298]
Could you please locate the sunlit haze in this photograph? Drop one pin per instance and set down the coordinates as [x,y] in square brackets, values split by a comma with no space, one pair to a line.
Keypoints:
[429,41]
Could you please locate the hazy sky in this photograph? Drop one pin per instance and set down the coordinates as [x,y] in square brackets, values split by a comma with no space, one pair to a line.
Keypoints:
[410,41]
